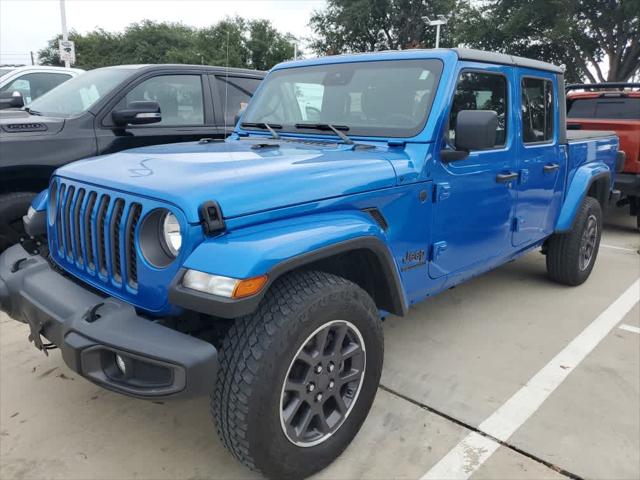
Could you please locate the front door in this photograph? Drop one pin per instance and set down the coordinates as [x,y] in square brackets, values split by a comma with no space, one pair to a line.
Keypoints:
[184,105]
[475,197]
[541,162]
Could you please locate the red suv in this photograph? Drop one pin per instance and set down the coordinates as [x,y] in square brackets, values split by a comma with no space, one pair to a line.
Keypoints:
[612,106]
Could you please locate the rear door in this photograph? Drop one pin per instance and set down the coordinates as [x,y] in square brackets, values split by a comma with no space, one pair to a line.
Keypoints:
[475,197]
[185,104]
[541,159]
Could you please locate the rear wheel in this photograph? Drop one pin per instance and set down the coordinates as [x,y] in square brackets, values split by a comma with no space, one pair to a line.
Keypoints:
[572,255]
[297,378]
[12,207]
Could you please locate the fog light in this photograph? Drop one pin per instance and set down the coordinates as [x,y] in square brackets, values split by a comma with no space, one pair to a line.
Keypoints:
[121,364]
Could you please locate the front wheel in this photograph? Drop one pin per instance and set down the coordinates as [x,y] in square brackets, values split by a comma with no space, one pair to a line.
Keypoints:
[572,255]
[298,377]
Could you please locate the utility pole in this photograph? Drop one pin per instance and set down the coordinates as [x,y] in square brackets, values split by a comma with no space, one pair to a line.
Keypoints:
[436,23]
[65,34]
[32,62]
[295,51]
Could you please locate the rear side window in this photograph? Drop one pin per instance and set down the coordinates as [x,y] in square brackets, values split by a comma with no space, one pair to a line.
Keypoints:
[235,93]
[615,108]
[480,91]
[180,98]
[537,110]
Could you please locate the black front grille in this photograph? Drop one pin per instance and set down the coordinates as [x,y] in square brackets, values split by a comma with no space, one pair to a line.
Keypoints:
[96,232]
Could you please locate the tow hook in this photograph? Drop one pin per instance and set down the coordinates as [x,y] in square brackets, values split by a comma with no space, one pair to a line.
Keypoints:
[35,336]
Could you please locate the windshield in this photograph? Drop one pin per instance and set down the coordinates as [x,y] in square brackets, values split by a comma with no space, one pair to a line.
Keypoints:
[80,93]
[382,98]
[4,71]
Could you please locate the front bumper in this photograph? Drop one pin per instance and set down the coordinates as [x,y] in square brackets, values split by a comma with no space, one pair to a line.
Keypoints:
[628,184]
[90,330]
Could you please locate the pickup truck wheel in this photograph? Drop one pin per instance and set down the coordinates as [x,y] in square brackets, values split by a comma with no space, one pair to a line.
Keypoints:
[571,255]
[12,207]
[297,378]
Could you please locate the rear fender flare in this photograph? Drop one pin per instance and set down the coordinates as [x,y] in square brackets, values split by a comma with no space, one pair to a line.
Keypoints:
[584,177]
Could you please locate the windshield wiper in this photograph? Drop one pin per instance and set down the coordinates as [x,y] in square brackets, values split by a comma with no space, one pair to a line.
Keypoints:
[268,126]
[327,126]
[32,112]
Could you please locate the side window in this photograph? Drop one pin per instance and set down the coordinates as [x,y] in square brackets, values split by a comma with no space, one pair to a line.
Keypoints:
[180,98]
[537,110]
[481,91]
[235,93]
[33,85]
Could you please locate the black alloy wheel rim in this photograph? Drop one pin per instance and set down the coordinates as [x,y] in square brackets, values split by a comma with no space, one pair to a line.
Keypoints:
[322,383]
[588,242]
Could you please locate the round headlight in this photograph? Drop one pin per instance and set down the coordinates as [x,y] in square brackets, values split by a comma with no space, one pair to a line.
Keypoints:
[171,234]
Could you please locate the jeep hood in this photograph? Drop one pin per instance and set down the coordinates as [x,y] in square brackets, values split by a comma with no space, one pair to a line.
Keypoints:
[243,176]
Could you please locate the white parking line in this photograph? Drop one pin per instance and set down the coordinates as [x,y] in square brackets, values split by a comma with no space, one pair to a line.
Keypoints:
[629,328]
[614,247]
[466,457]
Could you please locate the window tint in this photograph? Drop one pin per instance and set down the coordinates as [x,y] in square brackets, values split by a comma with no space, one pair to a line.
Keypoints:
[611,107]
[480,91]
[179,96]
[537,110]
[235,93]
[33,85]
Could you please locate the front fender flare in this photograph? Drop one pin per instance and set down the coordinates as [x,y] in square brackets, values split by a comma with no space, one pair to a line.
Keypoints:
[578,189]
[279,247]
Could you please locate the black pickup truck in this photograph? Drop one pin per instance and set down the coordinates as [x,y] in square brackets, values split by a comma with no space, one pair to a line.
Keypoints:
[107,110]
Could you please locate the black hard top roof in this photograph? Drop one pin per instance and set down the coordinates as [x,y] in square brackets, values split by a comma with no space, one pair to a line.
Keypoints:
[504,59]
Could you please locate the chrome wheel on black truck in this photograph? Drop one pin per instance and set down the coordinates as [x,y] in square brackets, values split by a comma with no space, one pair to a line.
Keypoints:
[298,377]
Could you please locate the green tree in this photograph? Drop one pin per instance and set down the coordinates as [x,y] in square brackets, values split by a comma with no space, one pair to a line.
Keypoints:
[369,25]
[233,42]
[267,46]
[95,49]
[581,34]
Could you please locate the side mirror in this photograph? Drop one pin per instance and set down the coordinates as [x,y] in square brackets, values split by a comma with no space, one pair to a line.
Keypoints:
[476,129]
[11,100]
[137,113]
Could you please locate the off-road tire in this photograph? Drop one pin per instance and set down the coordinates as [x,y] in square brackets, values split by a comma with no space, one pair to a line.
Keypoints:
[254,361]
[564,249]
[12,208]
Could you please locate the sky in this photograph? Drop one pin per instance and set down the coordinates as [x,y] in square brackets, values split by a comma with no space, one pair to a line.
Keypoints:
[27,25]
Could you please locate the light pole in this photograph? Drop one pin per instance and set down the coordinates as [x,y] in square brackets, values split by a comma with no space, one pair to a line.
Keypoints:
[437,23]
[65,34]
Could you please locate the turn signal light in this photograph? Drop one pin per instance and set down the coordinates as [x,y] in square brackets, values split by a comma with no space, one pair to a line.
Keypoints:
[250,286]
[223,286]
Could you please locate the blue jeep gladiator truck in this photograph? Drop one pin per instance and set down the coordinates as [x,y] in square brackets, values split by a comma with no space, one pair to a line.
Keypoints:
[258,269]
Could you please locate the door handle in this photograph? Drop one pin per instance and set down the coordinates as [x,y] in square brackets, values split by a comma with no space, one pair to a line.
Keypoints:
[506,177]
[550,167]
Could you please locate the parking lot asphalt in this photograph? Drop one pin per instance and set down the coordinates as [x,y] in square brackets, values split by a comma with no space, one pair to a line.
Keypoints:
[474,357]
